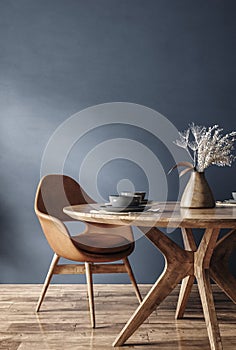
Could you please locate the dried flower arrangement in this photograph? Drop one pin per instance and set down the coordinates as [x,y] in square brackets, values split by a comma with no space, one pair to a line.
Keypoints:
[206,146]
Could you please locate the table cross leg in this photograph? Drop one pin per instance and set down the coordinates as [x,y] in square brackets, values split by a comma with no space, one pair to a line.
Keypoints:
[215,255]
[202,259]
[185,290]
[187,282]
[205,291]
[178,264]
[219,266]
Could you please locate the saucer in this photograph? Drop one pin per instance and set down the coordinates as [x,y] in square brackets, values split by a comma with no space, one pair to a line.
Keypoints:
[110,208]
[233,201]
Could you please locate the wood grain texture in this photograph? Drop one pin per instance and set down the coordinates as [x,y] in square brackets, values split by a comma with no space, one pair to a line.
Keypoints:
[205,291]
[132,278]
[89,278]
[197,193]
[48,278]
[180,264]
[185,290]
[219,266]
[187,282]
[170,215]
[68,326]
[202,274]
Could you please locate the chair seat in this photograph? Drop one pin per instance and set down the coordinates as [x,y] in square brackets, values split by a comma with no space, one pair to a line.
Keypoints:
[101,243]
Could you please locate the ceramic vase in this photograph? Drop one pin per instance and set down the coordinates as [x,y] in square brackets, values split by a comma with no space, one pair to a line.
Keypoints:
[197,193]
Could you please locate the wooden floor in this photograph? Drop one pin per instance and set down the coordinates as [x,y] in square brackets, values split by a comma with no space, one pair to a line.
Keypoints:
[63,322]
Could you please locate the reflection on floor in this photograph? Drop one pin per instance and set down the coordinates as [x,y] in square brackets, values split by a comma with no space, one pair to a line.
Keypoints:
[63,322]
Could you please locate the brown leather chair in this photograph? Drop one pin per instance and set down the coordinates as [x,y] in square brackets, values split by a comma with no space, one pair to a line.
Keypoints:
[95,247]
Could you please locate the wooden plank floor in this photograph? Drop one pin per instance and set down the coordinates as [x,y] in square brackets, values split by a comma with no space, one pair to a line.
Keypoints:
[63,322]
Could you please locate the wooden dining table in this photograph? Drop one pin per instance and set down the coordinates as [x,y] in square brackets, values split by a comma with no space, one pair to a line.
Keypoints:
[203,262]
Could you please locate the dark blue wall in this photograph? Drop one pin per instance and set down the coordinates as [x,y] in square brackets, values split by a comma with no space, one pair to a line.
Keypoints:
[60,56]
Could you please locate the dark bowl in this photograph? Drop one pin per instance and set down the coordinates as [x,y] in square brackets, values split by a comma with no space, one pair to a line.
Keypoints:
[124,201]
[131,194]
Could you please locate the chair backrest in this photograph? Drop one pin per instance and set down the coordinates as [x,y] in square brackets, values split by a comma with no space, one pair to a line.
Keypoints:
[56,191]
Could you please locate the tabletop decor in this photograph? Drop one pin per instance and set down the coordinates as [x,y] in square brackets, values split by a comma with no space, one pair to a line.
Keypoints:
[206,146]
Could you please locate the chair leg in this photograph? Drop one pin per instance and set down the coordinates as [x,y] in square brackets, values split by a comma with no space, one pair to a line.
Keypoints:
[89,277]
[132,279]
[48,278]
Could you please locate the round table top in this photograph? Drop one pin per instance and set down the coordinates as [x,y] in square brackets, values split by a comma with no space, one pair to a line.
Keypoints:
[169,215]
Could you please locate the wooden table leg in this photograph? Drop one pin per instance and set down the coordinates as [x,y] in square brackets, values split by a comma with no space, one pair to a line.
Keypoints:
[187,282]
[219,272]
[205,291]
[201,271]
[219,266]
[178,264]
[185,290]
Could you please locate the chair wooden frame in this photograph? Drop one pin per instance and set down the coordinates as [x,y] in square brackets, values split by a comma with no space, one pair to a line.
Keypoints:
[56,191]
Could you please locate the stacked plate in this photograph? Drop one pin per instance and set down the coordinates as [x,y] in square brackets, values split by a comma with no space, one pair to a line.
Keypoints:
[110,208]
[126,202]
[230,201]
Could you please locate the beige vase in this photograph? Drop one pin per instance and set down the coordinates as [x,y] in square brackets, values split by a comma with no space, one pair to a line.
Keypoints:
[197,193]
